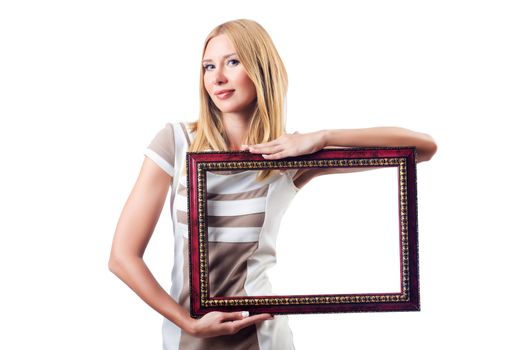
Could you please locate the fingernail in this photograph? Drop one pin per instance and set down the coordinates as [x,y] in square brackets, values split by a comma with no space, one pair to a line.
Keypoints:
[245,314]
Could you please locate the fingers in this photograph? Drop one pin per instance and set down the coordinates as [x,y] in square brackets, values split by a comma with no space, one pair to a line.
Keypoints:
[272,143]
[234,316]
[275,149]
[232,322]
[269,147]
[251,320]
[278,155]
[217,323]
[273,152]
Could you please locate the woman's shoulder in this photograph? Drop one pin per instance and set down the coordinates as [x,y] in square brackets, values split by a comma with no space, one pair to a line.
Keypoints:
[171,138]
[186,130]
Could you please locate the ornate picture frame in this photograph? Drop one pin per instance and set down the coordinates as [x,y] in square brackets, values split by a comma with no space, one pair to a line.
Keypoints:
[407,299]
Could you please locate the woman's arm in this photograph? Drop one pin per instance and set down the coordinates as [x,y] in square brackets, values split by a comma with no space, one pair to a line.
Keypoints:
[382,137]
[296,144]
[291,145]
[134,229]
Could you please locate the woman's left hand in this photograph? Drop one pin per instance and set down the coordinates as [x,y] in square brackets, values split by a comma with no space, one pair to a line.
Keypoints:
[289,145]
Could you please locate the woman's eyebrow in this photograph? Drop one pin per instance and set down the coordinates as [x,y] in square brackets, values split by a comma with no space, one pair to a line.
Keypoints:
[226,56]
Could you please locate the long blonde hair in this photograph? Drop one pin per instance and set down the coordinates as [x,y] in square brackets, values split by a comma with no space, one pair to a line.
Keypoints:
[264,67]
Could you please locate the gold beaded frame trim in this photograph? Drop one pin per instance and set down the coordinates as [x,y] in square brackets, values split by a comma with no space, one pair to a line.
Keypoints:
[198,164]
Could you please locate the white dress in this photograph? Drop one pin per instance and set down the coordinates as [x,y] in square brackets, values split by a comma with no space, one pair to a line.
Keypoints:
[243,221]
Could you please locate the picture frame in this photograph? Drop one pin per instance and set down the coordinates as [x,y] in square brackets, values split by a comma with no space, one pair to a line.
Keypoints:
[406,299]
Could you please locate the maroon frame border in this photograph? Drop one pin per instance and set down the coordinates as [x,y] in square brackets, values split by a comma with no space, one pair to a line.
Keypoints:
[404,158]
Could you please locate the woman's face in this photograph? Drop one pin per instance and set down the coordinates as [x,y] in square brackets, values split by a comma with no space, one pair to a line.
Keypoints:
[225,79]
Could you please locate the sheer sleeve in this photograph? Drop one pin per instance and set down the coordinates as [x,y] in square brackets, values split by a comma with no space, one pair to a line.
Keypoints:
[291,175]
[161,149]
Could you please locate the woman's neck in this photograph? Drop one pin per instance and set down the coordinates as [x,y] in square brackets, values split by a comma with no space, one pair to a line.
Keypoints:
[236,126]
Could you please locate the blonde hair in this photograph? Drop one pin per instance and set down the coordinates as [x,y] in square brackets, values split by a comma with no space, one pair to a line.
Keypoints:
[264,67]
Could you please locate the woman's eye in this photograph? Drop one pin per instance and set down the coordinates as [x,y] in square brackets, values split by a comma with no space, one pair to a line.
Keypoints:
[208,67]
[233,62]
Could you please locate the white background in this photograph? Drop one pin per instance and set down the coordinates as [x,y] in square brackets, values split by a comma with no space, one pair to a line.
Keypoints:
[85,85]
[341,234]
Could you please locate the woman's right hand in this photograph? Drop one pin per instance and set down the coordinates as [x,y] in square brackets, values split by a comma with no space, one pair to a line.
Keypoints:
[218,323]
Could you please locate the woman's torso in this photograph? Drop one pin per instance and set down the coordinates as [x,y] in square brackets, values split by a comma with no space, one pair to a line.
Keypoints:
[243,222]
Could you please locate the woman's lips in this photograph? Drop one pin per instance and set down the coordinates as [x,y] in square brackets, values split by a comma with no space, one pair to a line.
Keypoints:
[224,94]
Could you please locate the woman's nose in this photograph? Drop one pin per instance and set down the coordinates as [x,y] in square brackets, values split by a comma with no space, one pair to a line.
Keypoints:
[219,76]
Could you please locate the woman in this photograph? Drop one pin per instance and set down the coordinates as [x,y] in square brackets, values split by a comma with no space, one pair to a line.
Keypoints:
[243,86]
